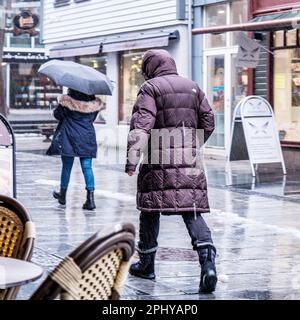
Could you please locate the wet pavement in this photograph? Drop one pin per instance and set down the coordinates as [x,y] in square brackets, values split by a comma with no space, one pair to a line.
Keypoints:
[256,230]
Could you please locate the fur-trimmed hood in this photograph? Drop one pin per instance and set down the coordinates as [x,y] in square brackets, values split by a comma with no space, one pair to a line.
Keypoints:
[80,106]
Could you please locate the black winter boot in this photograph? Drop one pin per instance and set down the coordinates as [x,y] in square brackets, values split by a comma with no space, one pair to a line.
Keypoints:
[60,196]
[145,267]
[90,203]
[208,281]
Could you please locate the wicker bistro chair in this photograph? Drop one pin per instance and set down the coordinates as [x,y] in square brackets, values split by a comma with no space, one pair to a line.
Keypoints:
[96,270]
[17,234]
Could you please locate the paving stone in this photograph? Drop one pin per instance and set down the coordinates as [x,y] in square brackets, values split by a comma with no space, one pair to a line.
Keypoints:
[256,232]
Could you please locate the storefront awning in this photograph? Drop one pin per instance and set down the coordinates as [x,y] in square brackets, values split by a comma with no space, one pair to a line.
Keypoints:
[140,41]
[120,43]
[75,49]
[272,22]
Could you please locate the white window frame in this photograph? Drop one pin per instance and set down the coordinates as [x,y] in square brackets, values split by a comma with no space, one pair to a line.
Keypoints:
[228,51]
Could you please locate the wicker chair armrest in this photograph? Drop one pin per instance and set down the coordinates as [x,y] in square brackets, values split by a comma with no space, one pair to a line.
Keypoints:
[29,232]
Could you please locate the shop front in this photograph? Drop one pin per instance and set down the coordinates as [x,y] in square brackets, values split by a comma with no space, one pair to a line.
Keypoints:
[29,95]
[286,83]
[277,76]
[283,72]
[120,58]
[25,88]
[224,83]
[131,79]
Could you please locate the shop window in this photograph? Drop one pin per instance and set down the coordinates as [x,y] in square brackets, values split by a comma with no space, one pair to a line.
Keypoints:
[278,38]
[29,89]
[291,38]
[38,42]
[22,41]
[3,70]
[286,39]
[131,79]
[287,93]
[99,63]
[215,16]
[215,94]
[238,14]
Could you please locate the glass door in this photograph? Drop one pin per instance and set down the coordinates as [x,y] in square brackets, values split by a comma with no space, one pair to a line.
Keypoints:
[225,86]
[239,83]
[215,90]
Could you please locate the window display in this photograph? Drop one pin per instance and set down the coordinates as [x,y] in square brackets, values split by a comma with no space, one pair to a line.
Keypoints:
[287,93]
[131,81]
[29,89]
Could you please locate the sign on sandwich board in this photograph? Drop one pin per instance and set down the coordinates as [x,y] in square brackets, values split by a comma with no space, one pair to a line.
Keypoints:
[254,135]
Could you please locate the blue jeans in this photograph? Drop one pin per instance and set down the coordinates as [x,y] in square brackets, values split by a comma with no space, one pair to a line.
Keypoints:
[86,166]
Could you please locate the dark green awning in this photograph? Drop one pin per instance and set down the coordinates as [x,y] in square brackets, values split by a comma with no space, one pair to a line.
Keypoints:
[294,14]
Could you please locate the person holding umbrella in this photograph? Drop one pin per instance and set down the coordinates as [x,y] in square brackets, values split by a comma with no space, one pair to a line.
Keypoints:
[75,134]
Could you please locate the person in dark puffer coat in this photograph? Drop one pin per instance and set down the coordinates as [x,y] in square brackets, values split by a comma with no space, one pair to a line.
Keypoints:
[169,102]
[75,137]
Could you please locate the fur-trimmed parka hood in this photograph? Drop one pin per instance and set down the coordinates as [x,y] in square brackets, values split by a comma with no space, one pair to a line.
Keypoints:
[80,106]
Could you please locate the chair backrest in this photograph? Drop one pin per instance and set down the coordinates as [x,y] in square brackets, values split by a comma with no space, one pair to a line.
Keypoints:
[96,270]
[17,234]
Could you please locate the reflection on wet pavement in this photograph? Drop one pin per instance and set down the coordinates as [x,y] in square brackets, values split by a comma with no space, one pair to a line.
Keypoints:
[257,236]
[237,175]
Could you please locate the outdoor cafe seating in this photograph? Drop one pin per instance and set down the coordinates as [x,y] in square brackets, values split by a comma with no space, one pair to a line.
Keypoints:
[96,270]
[17,235]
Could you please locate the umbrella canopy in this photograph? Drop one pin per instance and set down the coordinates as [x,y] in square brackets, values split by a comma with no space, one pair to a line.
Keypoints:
[77,77]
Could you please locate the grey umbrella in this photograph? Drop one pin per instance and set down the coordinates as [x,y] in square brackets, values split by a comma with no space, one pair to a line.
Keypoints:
[77,76]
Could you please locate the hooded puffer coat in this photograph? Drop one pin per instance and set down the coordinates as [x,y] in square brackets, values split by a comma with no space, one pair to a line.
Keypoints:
[167,101]
[75,134]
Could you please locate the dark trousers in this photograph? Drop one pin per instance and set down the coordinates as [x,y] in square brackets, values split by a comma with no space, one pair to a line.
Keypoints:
[149,229]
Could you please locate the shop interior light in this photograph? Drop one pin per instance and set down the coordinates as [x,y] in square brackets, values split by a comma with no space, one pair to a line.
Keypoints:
[221,11]
[95,64]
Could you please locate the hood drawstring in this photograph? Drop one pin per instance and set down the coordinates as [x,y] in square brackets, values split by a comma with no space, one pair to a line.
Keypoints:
[183,128]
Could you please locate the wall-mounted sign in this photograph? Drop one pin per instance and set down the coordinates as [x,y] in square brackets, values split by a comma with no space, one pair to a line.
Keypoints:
[254,135]
[248,53]
[24,57]
[25,22]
